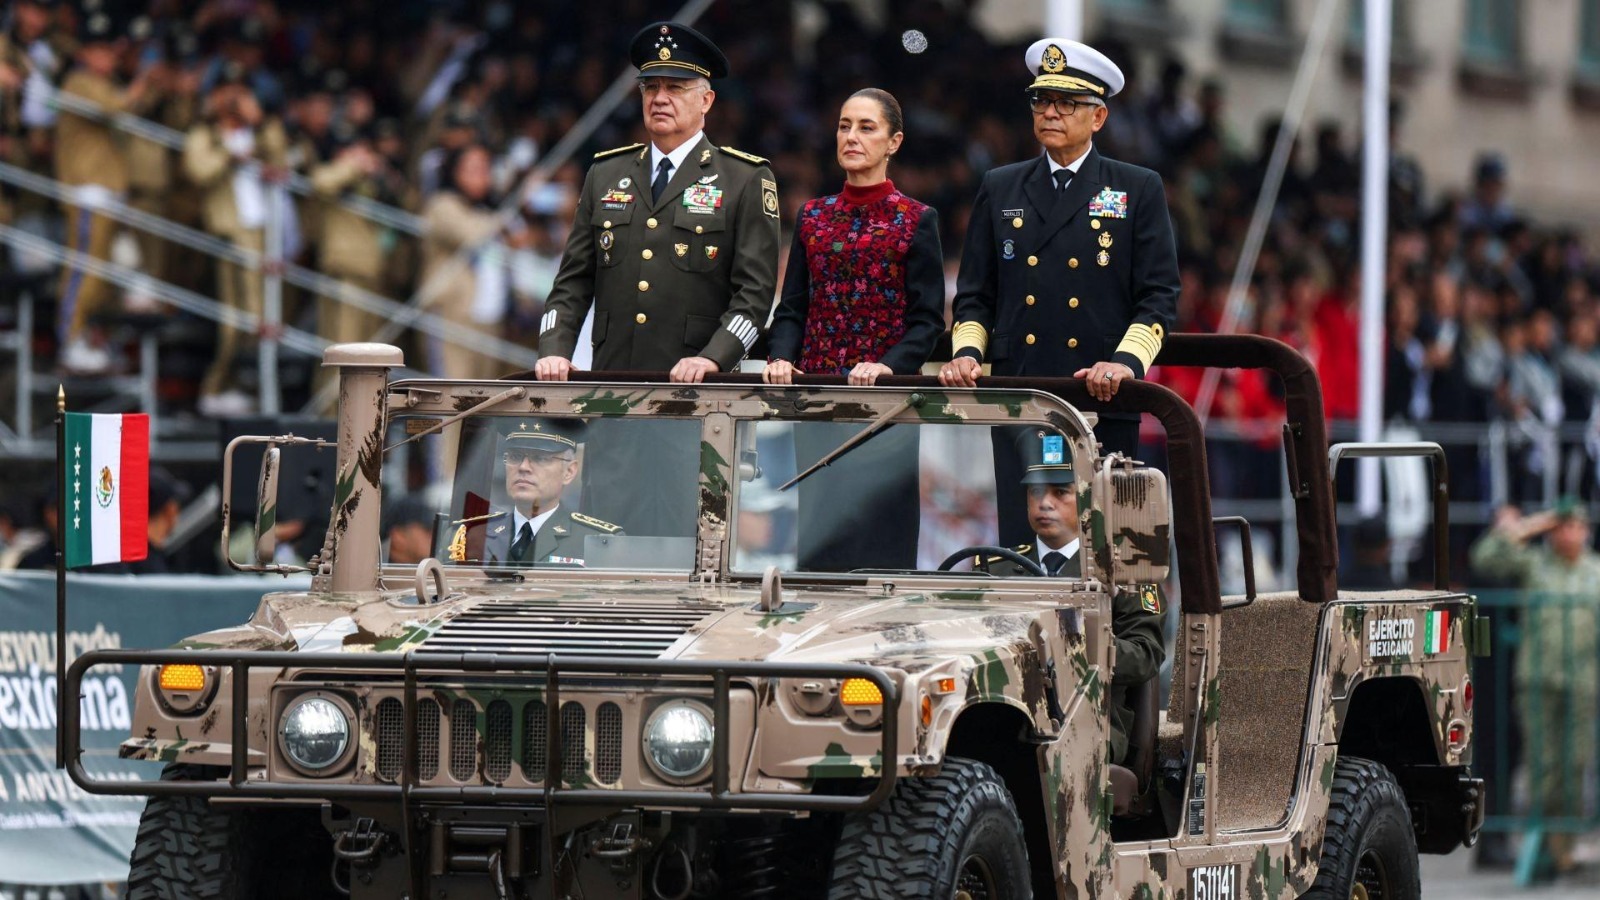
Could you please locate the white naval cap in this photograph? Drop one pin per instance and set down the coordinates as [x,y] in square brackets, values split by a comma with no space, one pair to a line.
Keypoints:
[1072,67]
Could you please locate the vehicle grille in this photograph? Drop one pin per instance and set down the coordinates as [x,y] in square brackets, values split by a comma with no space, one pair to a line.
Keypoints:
[585,754]
[617,630]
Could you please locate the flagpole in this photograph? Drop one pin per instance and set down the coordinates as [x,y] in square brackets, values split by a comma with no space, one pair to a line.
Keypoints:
[61,572]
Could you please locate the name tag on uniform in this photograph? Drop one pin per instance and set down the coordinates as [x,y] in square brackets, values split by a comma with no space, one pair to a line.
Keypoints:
[1010,213]
[1109,204]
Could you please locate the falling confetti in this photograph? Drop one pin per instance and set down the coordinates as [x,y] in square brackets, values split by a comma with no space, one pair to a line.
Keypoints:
[914,41]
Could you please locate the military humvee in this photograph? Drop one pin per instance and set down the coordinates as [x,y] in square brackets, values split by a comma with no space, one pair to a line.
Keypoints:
[684,703]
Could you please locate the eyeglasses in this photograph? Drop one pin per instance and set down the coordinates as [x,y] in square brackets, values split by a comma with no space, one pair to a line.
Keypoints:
[1065,106]
[538,458]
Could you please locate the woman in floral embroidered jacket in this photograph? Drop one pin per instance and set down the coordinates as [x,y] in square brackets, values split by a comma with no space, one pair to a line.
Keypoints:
[863,296]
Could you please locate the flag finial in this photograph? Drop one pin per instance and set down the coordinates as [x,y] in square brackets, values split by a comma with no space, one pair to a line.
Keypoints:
[61,398]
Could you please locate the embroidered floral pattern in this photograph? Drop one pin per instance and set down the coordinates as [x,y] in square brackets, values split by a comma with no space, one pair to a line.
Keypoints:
[856,255]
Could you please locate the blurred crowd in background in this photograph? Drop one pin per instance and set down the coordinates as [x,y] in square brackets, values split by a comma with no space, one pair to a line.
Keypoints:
[434,106]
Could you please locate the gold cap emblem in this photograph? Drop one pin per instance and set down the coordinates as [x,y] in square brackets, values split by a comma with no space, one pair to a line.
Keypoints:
[665,53]
[1053,60]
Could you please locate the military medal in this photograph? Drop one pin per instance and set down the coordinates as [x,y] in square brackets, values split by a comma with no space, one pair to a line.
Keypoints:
[606,239]
[1109,204]
[559,530]
[625,182]
[616,198]
[1008,249]
[711,252]
[680,249]
[703,199]
[707,179]
[1103,259]
[1105,240]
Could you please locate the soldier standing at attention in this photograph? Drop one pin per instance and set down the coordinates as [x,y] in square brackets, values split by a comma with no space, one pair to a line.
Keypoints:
[675,245]
[1558,662]
[1069,268]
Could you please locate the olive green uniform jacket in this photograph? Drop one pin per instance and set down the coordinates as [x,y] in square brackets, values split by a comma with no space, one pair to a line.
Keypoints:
[691,274]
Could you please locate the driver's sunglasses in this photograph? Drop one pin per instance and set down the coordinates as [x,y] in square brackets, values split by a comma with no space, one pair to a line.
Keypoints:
[537,457]
[1065,106]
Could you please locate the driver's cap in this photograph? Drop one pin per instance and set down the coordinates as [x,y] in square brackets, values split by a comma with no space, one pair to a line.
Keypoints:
[1045,459]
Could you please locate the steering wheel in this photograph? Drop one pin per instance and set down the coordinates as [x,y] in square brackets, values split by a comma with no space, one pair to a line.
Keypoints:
[1006,553]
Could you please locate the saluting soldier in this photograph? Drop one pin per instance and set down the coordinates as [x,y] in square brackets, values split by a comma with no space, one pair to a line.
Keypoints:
[676,243]
[1069,267]
[530,528]
[1136,613]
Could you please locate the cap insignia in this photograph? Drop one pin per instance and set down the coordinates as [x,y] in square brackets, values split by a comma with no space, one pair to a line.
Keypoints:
[1053,60]
[664,29]
[665,53]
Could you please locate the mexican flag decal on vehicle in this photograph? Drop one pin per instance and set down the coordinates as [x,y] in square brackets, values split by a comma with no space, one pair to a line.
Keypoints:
[1436,632]
[106,510]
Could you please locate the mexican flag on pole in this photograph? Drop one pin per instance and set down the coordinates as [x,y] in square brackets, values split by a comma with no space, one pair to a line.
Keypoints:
[106,510]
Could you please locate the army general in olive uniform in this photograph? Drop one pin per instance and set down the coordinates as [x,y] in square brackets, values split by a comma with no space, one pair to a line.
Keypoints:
[1136,614]
[540,460]
[675,243]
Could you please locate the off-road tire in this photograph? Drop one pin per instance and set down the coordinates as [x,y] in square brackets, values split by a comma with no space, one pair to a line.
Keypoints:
[933,835]
[186,849]
[1370,849]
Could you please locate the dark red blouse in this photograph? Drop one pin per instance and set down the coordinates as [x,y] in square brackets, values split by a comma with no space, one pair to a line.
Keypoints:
[865,283]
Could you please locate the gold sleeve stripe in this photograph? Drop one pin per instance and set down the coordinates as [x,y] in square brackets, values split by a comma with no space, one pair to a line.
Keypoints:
[1144,342]
[969,334]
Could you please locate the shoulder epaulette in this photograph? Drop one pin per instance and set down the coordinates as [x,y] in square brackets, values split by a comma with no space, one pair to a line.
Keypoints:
[1024,549]
[592,522]
[615,150]
[483,518]
[750,158]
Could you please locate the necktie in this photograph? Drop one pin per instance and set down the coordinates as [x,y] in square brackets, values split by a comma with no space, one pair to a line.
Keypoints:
[522,550]
[663,175]
[1053,561]
[1063,178]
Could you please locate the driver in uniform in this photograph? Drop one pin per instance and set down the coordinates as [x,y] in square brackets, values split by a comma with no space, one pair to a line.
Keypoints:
[540,460]
[1136,615]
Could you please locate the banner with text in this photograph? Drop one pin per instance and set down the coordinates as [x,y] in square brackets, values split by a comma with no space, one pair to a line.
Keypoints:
[51,832]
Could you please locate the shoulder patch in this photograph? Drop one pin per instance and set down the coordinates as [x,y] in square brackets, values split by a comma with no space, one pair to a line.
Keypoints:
[750,158]
[592,522]
[615,150]
[1150,598]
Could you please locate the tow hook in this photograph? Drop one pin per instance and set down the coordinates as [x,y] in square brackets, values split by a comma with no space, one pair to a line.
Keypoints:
[358,847]
[618,847]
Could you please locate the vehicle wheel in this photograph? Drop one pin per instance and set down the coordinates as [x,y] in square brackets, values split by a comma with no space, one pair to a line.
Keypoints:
[186,849]
[1370,849]
[955,836]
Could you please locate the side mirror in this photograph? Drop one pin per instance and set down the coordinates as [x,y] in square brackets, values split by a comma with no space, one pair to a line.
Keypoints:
[266,542]
[1133,543]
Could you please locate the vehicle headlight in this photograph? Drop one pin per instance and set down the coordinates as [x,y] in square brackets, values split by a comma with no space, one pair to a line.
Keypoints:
[677,741]
[314,733]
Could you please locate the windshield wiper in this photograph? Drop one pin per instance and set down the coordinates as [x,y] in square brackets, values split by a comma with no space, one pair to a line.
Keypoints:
[501,397]
[861,437]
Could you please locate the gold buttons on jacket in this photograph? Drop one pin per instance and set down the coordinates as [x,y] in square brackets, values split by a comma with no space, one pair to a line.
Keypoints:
[650,222]
[644,285]
[1072,303]
[699,229]
[606,224]
[1095,224]
[1072,342]
[1017,222]
[1033,260]
[1030,299]
[1072,263]
[647,254]
[641,318]
[1030,338]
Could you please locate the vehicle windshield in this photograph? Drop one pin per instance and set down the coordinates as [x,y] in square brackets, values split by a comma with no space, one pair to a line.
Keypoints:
[906,499]
[519,491]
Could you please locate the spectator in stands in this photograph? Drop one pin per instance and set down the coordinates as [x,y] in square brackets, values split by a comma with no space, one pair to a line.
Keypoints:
[33,55]
[231,155]
[463,276]
[91,163]
[1579,365]
[1488,209]
[19,536]
[350,246]
[172,102]
[43,553]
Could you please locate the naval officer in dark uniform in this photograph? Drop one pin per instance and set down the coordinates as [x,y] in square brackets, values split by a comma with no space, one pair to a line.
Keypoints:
[1051,492]
[540,460]
[1069,267]
[675,243]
